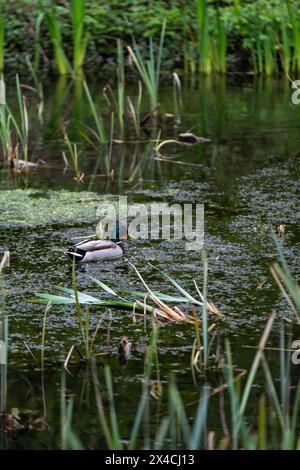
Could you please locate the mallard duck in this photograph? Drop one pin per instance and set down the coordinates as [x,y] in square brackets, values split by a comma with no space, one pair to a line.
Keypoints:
[87,251]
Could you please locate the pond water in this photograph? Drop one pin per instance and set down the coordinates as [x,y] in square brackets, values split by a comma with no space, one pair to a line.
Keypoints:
[247,176]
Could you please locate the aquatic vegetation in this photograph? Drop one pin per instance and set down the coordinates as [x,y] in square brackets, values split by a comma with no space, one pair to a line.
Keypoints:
[61,61]
[68,438]
[292,13]
[74,154]
[2,29]
[99,133]
[287,284]
[197,433]
[160,308]
[23,128]
[38,47]
[205,47]
[134,110]
[38,88]
[80,39]
[221,396]
[212,42]
[265,33]
[121,85]
[12,127]
[186,138]
[5,261]
[3,335]
[47,310]
[221,43]
[27,209]
[6,132]
[177,93]
[149,69]
[176,418]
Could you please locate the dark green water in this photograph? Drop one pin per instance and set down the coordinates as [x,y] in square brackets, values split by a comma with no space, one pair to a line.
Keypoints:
[248,179]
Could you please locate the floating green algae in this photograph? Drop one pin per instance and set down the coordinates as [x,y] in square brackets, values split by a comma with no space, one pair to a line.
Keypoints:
[34,208]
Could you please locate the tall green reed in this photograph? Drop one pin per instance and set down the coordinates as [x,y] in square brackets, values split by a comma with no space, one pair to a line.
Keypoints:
[285,51]
[80,39]
[61,61]
[68,439]
[193,435]
[134,109]
[239,399]
[121,85]
[2,38]
[116,101]
[5,124]
[3,336]
[40,16]
[74,155]
[99,133]
[3,360]
[149,69]
[47,310]
[15,126]
[38,84]
[23,127]
[204,40]
[177,93]
[295,23]
[221,40]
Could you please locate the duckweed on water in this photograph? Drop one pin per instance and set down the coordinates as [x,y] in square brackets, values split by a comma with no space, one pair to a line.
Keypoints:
[30,208]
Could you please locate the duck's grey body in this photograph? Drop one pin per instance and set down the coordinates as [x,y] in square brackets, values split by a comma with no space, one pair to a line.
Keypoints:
[96,250]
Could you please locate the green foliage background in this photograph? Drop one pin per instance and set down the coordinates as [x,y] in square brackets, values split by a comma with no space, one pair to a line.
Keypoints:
[106,21]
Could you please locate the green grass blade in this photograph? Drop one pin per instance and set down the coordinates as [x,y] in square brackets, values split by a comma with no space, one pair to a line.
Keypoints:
[2,39]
